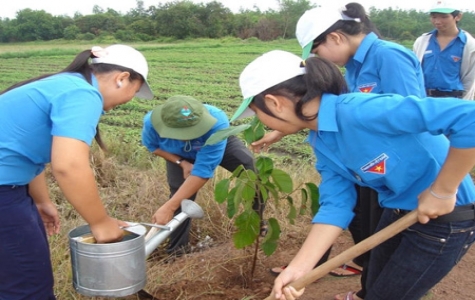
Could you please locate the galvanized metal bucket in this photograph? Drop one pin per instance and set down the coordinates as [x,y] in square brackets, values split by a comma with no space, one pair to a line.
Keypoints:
[107,270]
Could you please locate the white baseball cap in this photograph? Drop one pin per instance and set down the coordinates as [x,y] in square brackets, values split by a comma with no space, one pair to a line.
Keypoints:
[314,22]
[128,57]
[443,7]
[264,72]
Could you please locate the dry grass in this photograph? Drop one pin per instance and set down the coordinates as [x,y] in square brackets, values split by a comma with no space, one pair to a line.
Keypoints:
[133,185]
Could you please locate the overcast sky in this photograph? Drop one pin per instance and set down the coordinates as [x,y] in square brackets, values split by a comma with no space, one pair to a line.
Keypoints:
[68,7]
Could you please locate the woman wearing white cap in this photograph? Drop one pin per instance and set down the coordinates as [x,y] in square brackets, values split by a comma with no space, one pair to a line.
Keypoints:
[394,144]
[447,54]
[53,119]
[349,39]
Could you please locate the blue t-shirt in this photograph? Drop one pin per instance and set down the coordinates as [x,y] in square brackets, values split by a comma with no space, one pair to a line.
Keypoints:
[384,67]
[442,68]
[63,105]
[393,144]
[207,158]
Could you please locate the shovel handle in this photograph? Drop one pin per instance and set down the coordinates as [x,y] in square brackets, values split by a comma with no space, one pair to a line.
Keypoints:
[354,251]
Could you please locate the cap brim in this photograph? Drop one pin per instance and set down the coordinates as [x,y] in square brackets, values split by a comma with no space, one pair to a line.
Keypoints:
[442,10]
[145,92]
[185,133]
[306,50]
[243,110]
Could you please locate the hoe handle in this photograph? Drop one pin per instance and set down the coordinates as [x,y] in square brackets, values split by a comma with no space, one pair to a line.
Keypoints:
[358,249]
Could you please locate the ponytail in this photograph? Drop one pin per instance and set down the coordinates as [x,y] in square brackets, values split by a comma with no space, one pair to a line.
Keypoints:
[356,10]
[322,77]
[358,22]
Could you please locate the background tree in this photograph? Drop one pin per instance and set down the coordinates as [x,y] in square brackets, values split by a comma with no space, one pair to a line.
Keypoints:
[183,19]
[290,12]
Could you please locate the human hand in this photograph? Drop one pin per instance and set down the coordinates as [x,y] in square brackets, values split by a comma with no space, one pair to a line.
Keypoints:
[267,140]
[50,217]
[163,215]
[282,290]
[108,230]
[187,167]
[432,206]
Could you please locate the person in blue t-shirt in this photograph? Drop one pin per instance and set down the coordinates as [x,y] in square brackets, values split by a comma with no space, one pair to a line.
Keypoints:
[53,119]
[447,54]
[415,152]
[177,131]
[349,39]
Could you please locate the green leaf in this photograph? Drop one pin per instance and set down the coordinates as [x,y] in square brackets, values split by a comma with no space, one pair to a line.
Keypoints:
[231,208]
[221,190]
[247,224]
[264,165]
[237,172]
[223,134]
[255,132]
[264,194]
[314,196]
[304,200]
[270,242]
[282,180]
[248,191]
[292,210]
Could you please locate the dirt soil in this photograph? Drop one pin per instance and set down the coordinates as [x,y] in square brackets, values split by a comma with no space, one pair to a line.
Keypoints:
[222,272]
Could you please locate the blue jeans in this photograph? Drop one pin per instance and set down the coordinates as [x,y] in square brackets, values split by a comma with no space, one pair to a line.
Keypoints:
[408,265]
[25,265]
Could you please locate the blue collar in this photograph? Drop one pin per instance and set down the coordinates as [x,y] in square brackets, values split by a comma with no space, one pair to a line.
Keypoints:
[364,47]
[327,113]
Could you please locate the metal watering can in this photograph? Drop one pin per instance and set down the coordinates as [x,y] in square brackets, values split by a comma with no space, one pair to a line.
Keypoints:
[119,269]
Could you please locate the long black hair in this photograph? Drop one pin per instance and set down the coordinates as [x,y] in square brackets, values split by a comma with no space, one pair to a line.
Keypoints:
[322,76]
[81,65]
[350,27]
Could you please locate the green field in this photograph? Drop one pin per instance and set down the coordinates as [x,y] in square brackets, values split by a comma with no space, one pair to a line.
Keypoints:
[205,69]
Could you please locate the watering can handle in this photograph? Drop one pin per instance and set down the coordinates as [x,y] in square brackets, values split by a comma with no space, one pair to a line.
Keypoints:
[151,233]
[354,251]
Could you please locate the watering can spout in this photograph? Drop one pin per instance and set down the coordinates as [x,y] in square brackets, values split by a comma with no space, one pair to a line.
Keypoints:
[189,209]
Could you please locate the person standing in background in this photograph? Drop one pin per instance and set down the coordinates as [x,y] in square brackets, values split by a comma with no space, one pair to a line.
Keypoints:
[447,54]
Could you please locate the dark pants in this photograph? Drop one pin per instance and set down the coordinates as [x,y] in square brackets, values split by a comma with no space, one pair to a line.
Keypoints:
[25,265]
[235,154]
[364,224]
[409,264]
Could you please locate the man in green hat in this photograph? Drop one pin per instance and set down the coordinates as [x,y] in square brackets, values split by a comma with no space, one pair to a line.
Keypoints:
[177,131]
[447,55]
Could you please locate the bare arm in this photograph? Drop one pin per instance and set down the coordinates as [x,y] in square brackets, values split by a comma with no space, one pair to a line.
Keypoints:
[38,191]
[458,164]
[70,166]
[190,187]
[267,140]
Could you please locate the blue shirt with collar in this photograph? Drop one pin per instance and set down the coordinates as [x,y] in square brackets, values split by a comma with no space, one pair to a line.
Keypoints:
[393,144]
[207,158]
[64,105]
[442,67]
[384,67]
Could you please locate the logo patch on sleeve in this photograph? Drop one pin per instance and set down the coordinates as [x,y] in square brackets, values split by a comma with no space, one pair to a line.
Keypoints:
[367,88]
[377,165]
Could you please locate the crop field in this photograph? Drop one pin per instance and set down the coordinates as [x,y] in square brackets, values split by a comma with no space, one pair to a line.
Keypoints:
[132,182]
[207,70]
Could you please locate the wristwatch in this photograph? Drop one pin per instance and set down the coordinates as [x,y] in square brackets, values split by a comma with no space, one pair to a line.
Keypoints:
[178,161]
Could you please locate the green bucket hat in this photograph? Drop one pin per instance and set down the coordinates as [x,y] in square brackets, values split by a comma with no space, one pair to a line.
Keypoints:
[182,118]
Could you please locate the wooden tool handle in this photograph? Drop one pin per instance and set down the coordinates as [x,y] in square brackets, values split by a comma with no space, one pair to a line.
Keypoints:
[358,249]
